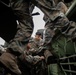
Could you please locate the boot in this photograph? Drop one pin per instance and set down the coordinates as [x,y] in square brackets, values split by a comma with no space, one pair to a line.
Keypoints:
[9,61]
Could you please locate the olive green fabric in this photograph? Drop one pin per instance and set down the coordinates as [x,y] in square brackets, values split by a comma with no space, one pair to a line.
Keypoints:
[64,46]
[53,69]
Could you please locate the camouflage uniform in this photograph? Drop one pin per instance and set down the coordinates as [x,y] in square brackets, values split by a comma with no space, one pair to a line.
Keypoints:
[63,25]
[24,31]
[35,45]
[40,67]
[25,26]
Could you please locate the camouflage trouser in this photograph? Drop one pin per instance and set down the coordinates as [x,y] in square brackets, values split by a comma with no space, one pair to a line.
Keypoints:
[24,27]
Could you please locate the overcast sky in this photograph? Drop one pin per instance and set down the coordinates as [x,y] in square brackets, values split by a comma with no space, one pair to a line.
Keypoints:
[38,23]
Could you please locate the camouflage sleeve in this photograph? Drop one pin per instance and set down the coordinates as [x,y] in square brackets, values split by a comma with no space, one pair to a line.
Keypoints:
[69,30]
[48,8]
[26,58]
[66,27]
[33,59]
[32,50]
